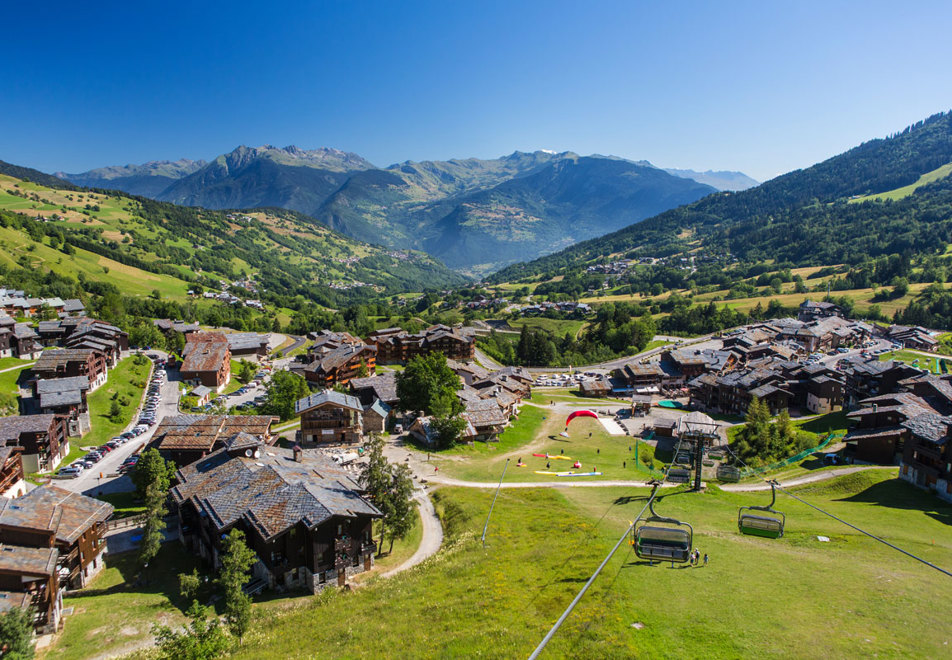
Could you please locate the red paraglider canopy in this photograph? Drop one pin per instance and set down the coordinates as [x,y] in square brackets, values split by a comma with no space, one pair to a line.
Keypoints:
[579,413]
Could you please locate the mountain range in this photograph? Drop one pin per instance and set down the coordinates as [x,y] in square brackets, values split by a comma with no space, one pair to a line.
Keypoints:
[890,196]
[475,215]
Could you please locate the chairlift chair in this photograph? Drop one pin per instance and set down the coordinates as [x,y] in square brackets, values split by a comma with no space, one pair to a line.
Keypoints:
[753,524]
[672,541]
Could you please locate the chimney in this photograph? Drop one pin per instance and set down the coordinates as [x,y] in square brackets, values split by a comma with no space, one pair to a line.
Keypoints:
[298,453]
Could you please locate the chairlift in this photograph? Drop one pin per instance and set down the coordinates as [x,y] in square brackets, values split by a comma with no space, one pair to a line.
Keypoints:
[670,541]
[770,527]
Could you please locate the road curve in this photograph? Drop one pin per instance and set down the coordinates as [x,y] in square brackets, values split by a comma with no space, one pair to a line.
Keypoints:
[808,479]
[432,537]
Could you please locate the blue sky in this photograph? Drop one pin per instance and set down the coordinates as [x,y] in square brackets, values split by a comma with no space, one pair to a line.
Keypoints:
[762,87]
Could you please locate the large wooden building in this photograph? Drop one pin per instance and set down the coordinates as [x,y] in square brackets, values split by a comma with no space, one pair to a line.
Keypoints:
[330,418]
[73,362]
[51,517]
[396,345]
[29,580]
[341,365]
[44,439]
[303,515]
[185,439]
[206,360]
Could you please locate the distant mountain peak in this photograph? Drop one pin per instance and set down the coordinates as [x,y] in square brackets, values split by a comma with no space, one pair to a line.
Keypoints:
[327,158]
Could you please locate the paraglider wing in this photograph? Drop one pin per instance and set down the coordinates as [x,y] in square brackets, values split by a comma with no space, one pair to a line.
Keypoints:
[579,413]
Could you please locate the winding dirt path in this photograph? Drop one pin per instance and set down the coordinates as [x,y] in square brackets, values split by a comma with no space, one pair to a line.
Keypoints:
[431,539]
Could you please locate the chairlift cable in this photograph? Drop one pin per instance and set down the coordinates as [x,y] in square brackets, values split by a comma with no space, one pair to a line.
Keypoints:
[558,624]
[848,524]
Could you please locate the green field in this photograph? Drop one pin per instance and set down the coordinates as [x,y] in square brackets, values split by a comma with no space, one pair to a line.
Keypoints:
[933,364]
[792,597]
[537,431]
[8,381]
[11,362]
[127,381]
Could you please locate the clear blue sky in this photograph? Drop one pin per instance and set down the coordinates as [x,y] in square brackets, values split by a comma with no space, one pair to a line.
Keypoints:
[762,87]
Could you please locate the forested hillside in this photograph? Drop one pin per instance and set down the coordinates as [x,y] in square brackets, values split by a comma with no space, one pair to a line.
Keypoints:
[805,216]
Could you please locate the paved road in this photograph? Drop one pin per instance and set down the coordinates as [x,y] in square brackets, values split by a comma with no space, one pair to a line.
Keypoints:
[298,342]
[90,482]
[432,537]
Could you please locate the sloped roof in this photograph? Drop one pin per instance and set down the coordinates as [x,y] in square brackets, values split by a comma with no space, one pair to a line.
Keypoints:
[28,561]
[12,427]
[54,509]
[272,492]
[384,386]
[204,431]
[324,397]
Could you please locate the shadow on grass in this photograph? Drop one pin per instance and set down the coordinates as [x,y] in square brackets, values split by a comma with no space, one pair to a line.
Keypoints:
[898,494]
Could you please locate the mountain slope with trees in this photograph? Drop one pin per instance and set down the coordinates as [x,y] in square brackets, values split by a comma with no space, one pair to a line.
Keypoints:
[803,217]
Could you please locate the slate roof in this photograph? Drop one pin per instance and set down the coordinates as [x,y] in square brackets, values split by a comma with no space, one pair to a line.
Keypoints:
[270,493]
[243,341]
[204,352]
[930,427]
[57,385]
[38,562]
[73,305]
[384,386]
[52,360]
[68,515]
[12,427]
[204,431]
[378,407]
[10,600]
[324,397]
[340,356]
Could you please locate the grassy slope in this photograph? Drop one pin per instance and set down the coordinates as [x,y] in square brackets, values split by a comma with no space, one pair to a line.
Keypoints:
[557,327]
[127,379]
[8,381]
[793,597]
[905,191]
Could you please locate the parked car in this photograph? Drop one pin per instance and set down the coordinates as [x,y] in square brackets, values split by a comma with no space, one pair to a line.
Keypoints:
[68,472]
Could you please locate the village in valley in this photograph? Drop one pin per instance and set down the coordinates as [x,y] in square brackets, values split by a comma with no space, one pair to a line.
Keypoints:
[293,481]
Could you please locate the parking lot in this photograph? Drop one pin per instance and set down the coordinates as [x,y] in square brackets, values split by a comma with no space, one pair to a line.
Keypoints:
[161,399]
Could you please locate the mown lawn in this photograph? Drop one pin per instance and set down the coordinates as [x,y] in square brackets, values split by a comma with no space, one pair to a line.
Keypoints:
[10,362]
[126,382]
[114,616]
[8,381]
[537,431]
[791,597]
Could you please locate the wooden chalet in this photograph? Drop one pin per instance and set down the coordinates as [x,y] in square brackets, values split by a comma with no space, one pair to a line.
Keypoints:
[206,360]
[185,439]
[64,396]
[340,365]
[382,387]
[927,454]
[330,418]
[11,472]
[303,515]
[249,345]
[879,435]
[18,339]
[29,580]
[398,346]
[44,439]
[51,517]
[73,362]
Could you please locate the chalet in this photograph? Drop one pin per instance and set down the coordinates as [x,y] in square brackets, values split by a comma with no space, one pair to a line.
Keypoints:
[206,360]
[49,516]
[598,388]
[11,472]
[423,430]
[71,331]
[73,307]
[340,365]
[878,436]
[487,418]
[248,344]
[871,378]
[169,327]
[29,580]
[376,417]
[916,338]
[326,341]
[811,311]
[18,339]
[638,376]
[927,454]
[515,380]
[395,345]
[382,387]
[330,418]
[71,363]
[936,391]
[302,514]
[64,396]
[731,393]
[188,438]
[692,362]
[43,438]
[469,372]
[640,405]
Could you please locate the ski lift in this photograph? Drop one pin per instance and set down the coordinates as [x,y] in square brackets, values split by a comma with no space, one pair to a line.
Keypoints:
[670,541]
[770,527]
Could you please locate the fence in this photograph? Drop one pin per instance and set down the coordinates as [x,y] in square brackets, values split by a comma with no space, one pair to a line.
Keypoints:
[128,521]
[747,472]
